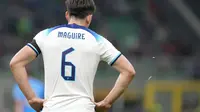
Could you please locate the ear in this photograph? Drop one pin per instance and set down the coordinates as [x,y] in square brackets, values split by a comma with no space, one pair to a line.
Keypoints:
[67,16]
[88,19]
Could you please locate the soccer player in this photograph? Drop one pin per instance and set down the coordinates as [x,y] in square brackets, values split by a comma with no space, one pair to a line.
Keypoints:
[71,54]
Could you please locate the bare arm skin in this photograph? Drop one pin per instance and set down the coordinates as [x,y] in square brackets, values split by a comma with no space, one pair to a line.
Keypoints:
[17,65]
[127,72]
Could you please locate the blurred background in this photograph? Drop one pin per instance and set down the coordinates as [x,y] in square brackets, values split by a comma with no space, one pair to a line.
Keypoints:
[160,37]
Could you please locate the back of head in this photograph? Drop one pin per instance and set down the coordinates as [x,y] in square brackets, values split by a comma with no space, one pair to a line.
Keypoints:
[80,8]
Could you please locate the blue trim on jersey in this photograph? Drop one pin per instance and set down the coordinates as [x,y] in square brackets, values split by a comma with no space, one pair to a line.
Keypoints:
[97,36]
[46,32]
[34,49]
[75,26]
[115,59]
[54,28]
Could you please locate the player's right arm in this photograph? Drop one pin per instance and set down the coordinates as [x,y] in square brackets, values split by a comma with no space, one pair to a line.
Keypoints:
[113,57]
[18,67]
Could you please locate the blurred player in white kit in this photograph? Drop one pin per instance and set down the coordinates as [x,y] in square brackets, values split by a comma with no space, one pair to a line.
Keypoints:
[71,54]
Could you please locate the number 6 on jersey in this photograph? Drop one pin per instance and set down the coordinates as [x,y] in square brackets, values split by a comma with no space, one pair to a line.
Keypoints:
[65,63]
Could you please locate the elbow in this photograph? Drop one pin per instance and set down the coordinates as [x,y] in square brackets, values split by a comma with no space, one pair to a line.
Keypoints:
[131,73]
[12,64]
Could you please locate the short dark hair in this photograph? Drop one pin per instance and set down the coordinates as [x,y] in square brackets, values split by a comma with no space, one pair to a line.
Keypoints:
[80,8]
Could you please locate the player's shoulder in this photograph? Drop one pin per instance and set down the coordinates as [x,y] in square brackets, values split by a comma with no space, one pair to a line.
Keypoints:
[45,32]
[49,30]
[98,37]
[41,34]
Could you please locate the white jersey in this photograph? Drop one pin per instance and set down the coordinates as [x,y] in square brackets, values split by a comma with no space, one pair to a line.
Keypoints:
[71,55]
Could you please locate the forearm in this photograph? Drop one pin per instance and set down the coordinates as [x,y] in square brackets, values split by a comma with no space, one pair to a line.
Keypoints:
[21,77]
[120,86]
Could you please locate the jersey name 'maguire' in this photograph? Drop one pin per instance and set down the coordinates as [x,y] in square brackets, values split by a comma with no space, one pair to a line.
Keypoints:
[71,35]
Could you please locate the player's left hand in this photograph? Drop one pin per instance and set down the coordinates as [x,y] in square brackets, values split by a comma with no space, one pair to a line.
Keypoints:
[36,104]
[102,106]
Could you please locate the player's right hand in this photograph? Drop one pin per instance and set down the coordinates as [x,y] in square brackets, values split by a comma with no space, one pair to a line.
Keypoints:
[102,106]
[36,104]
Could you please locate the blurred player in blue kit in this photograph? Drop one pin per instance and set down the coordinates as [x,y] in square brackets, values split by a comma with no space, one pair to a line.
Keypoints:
[71,54]
[20,102]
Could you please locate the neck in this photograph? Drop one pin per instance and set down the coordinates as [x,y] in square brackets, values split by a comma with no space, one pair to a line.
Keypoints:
[80,22]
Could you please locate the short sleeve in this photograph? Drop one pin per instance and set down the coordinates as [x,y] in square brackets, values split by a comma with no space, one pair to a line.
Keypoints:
[108,52]
[37,41]
[17,94]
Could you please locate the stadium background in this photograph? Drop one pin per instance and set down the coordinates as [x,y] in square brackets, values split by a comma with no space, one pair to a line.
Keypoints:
[160,37]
